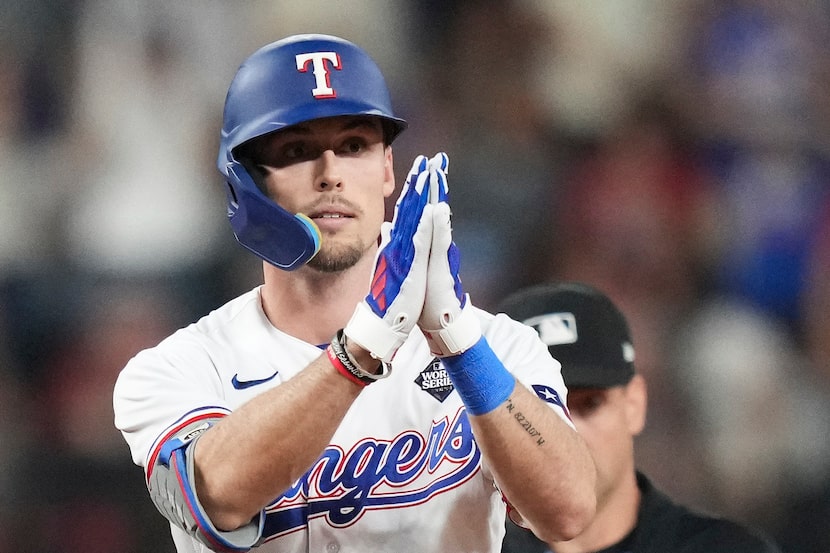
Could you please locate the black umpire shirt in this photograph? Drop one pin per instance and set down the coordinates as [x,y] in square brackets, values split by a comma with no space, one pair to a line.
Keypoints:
[662,527]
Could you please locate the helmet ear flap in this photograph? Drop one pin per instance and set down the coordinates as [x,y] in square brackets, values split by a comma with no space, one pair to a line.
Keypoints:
[281,238]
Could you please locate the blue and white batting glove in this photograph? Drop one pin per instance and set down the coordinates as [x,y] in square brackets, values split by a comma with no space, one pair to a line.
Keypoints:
[384,319]
[447,320]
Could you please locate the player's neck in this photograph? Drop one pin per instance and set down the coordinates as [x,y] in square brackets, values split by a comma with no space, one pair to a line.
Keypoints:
[616,517]
[311,305]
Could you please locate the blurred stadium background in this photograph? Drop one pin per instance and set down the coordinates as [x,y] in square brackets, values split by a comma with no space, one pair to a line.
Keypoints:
[675,154]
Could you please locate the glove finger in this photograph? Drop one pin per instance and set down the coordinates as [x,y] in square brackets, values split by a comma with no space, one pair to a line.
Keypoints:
[441,230]
[418,167]
[422,238]
[438,178]
[442,187]
[414,184]
[410,212]
[385,233]
[412,201]
[400,280]
[434,186]
[439,164]
[416,257]
[401,248]
[445,162]
[445,258]
[439,161]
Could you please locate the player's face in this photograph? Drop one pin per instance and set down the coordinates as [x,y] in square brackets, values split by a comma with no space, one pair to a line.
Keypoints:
[338,171]
[608,419]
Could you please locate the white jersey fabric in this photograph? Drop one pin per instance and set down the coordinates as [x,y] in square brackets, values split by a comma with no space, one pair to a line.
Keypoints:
[402,473]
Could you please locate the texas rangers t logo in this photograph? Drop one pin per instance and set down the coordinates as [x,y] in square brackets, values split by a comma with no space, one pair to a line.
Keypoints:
[318,61]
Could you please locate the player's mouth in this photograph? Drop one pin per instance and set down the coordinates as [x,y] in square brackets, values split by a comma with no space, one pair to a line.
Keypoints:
[331,220]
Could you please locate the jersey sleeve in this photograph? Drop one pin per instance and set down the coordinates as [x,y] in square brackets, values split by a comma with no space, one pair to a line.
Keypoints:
[163,390]
[164,399]
[528,359]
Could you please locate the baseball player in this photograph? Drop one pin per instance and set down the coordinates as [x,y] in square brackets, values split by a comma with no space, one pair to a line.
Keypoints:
[607,401]
[356,400]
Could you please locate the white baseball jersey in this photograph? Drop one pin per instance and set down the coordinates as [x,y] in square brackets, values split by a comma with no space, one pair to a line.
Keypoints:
[402,473]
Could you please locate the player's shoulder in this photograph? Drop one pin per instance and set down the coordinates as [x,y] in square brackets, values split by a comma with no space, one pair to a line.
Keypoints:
[511,339]
[499,320]
[239,317]
[500,327]
[243,309]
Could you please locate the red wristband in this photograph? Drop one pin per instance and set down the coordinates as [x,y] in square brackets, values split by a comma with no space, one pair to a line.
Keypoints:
[341,368]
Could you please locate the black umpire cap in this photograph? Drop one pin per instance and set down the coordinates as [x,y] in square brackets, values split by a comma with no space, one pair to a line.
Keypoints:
[582,328]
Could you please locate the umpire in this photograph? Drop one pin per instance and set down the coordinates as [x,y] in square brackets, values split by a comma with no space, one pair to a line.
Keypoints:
[607,400]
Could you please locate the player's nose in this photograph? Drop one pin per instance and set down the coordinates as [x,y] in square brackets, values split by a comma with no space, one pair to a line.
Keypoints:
[328,171]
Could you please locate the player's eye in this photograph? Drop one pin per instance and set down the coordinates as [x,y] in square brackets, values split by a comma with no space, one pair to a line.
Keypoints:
[289,153]
[354,145]
[295,151]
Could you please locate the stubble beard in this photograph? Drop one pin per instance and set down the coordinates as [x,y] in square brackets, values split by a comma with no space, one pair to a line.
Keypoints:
[336,259]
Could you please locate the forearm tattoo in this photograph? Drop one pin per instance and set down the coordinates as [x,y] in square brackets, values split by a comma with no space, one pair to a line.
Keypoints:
[524,422]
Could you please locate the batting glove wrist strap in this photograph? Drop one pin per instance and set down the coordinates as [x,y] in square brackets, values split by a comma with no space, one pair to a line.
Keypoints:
[480,378]
[458,332]
[348,366]
[374,335]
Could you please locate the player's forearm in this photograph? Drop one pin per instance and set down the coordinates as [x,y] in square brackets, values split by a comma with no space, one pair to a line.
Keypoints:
[540,463]
[249,458]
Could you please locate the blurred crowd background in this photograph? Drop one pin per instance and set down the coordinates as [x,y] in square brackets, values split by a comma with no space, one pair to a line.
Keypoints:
[674,153]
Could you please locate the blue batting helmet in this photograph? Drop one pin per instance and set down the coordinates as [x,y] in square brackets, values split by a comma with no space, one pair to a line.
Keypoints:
[296,79]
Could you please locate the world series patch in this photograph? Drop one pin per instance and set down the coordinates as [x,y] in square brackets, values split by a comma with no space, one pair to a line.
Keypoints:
[435,381]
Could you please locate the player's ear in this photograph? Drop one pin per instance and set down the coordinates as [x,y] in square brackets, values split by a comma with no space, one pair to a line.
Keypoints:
[389,172]
[636,395]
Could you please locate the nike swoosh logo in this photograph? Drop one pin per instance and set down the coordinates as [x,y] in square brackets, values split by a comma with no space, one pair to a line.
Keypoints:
[243,384]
